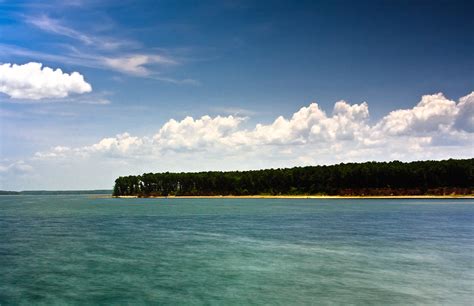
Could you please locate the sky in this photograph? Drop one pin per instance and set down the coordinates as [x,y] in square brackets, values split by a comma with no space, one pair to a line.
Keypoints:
[92,90]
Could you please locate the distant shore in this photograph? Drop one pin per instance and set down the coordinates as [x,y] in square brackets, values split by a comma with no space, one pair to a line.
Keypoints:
[304,197]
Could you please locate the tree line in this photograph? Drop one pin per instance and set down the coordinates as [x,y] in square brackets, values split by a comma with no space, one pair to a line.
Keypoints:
[368,178]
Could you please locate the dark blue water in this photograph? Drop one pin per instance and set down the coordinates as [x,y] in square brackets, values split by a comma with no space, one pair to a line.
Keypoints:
[81,250]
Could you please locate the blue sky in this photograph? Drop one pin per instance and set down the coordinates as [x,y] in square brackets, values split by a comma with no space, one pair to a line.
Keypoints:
[242,64]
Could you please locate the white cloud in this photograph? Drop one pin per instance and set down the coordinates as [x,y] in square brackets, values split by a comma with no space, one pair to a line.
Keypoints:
[50,25]
[142,64]
[136,64]
[100,51]
[54,26]
[119,145]
[58,151]
[431,114]
[198,134]
[128,63]
[122,145]
[309,124]
[18,167]
[465,117]
[308,137]
[345,134]
[33,81]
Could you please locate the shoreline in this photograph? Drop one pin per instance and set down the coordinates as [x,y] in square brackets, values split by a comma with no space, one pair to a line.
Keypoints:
[301,197]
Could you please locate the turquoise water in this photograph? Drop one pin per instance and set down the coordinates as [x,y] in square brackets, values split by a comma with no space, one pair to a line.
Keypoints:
[81,250]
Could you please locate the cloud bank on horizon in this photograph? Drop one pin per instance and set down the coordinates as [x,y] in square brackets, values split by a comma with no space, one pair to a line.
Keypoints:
[435,128]
[435,121]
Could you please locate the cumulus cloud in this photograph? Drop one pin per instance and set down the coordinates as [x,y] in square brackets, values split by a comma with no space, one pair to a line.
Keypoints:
[309,136]
[435,128]
[120,145]
[465,115]
[345,134]
[431,114]
[309,124]
[33,81]
[202,133]
[56,152]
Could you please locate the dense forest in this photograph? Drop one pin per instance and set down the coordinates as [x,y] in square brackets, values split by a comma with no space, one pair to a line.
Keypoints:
[370,178]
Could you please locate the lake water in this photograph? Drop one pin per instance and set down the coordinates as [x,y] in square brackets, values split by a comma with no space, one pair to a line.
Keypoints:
[81,250]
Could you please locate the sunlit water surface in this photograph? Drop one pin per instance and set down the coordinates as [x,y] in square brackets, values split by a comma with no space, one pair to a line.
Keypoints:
[83,250]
